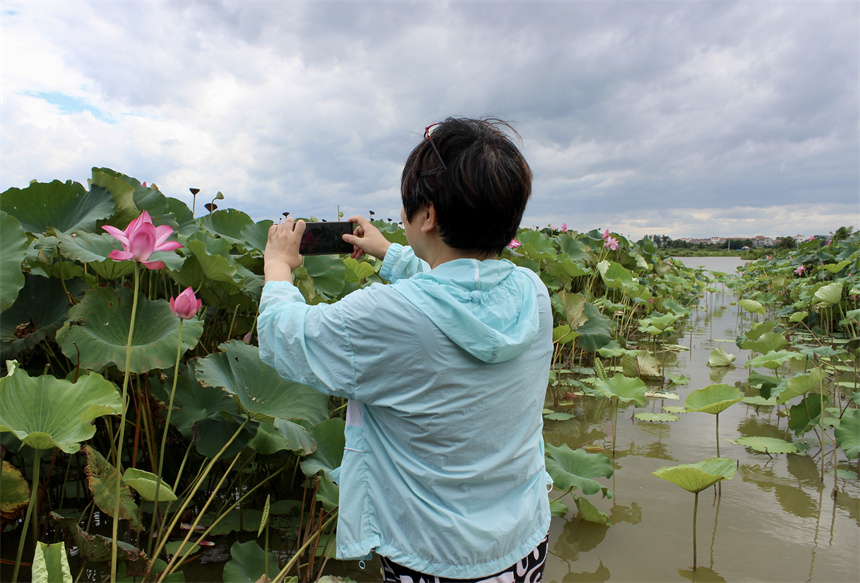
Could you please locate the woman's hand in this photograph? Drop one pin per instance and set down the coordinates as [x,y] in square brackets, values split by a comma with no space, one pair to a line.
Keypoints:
[366,239]
[281,256]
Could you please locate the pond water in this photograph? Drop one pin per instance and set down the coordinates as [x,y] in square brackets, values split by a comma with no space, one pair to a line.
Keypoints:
[774,521]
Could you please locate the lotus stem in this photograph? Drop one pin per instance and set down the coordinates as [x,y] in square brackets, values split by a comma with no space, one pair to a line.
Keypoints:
[198,482]
[695,513]
[34,497]
[718,434]
[166,429]
[115,525]
[280,576]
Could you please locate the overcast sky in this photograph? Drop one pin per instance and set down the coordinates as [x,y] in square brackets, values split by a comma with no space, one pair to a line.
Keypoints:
[681,118]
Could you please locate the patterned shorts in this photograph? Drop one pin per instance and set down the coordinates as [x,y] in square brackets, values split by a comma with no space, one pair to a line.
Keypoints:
[528,570]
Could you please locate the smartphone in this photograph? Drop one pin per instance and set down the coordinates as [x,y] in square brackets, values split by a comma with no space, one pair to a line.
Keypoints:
[325,239]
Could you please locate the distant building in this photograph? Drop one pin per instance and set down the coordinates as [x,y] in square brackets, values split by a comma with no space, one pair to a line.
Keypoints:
[761,241]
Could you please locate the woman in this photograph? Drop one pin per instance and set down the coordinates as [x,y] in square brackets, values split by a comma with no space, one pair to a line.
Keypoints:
[445,369]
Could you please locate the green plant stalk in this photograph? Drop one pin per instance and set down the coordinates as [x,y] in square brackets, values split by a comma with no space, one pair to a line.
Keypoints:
[695,514]
[34,496]
[283,573]
[718,433]
[178,556]
[198,482]
[115,522]
[166,429]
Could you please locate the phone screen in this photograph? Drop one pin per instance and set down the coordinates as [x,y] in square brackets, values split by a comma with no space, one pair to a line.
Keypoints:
[325,239]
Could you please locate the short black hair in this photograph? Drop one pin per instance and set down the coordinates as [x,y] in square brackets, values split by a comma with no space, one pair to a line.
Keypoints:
[478,182]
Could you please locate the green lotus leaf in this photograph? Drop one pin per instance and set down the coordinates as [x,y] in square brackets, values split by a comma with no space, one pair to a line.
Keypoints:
[766,444]
[800,385]
[536,245]
[102,481]
[576,468]
[557,508]
[805,415]
[50,564]
[596,332]
[41,308]
[327,272]
[720,357]
[330,441]
[192,402]
[13,241]
[623,388]
[228,224]
[97,548]
[146,483]
[656,417]
[752,306]
[357,271]
[772,360]
[563,335]
[97,332]
[587,511]
[132,198]
[249,563]
[767,342]
[45,412]
[213,433]
[674,409]
[257,387]
[678,380]
[758,330]
[760,401]
[558,416]
[204,266]
[798,316]
[62,206]
[835,268]
[699,476]
[282,435]
[574,308]
[829,294]
[256,235]
[614,275]
[328,493]
[848,433]
[16,492]
[643,365]
[713,399]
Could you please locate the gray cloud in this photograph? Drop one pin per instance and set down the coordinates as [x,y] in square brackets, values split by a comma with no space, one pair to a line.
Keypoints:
[684,118]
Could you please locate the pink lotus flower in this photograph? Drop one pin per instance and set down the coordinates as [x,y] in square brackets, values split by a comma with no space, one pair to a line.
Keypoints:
[564,228]
[767,257]
[611,242]
[514,244]
[800,270]
[185,305]
[811,238]
[605,234]
[140,239]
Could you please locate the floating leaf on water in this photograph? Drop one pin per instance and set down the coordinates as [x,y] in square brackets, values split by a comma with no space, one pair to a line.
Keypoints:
[662,395]
[679,380]
[720,357]
[766,444]
[656,417]
[671,409]
[558,416]
[758,401]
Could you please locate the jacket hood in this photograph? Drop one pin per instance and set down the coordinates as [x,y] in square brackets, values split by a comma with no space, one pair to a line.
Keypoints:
[488,308]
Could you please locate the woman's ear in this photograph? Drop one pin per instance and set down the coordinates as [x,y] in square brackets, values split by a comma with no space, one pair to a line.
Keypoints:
[428,214]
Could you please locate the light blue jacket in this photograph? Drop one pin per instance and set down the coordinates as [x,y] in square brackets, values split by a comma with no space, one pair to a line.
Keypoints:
[446,371]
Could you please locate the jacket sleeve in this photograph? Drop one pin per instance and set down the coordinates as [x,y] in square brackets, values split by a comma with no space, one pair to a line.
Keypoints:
[306,344]
[400,263]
